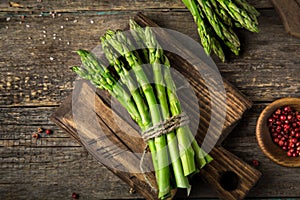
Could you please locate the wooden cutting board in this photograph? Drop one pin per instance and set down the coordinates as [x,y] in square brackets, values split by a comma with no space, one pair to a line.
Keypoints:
[230,176]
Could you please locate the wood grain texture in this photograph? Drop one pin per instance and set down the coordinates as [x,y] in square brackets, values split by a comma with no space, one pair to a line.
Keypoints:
[269,59]
[290,15]
[266,70]
[105,6]
[55,173]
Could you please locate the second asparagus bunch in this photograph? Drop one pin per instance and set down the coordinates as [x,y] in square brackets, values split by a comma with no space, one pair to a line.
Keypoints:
[216,20]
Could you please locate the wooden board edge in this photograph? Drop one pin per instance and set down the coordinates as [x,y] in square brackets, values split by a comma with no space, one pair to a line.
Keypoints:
[234,164]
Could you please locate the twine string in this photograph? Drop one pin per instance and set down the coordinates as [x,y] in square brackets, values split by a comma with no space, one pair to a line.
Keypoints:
[157,130]
[166,126]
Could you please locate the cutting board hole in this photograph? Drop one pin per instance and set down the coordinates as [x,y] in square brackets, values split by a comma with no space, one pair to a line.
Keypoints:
[229,180]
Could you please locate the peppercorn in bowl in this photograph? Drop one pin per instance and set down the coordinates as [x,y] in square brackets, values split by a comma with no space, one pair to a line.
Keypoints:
[278,131]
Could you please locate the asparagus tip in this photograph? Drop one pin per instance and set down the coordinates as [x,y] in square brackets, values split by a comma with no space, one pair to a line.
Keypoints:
[102,38]
[133,24]
[82,52]
[74,68]
[110,33]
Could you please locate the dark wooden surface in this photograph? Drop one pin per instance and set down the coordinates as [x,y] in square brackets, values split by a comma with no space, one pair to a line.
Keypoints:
[36,53]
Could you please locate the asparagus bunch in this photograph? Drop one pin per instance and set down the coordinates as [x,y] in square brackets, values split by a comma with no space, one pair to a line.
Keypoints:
[176,156]
[216,20]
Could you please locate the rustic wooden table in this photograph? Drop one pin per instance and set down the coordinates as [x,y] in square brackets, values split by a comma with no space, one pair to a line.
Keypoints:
[37,40]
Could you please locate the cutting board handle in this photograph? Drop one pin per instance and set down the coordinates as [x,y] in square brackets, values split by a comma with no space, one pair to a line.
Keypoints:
[229,175]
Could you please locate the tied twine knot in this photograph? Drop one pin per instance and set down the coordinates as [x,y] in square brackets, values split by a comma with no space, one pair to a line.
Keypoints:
[159,129]
[165,127]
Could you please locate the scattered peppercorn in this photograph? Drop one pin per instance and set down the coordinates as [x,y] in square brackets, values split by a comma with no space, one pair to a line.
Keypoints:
[40,130]
[284,126]
[255,163]
[48,131]
[75,195]
[35,135]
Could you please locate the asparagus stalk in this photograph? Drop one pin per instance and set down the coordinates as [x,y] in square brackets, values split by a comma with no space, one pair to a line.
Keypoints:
[222,14]
[175,107]
[225,33]
[139,41]
[239,15]
[216,46]
[127,80]
[187,153]
[102,78]
[208,41]
[155,57]
[133,88]
[247,7]
[218,49]
[123,45]
[202,28]
[252,12]
[155,54]
[201,157]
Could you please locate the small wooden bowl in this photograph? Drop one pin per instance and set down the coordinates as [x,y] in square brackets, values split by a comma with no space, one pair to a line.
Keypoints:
[263,135]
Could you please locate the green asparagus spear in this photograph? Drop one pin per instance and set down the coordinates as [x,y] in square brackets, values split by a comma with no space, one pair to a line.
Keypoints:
[133,88]
[239,15]
[199,20]
[208,41]
[247,7]
[159,57]
[102,78]
[139,41]
[225,33]
[222,14]
[155,54]
[123,45]
[250,10]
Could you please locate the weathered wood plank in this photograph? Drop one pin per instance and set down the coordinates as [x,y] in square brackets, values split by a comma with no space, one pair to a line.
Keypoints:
[107,5]
[18,125]
[26,121]
[56,172]
[29,77]
[36,56]
[26,116]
